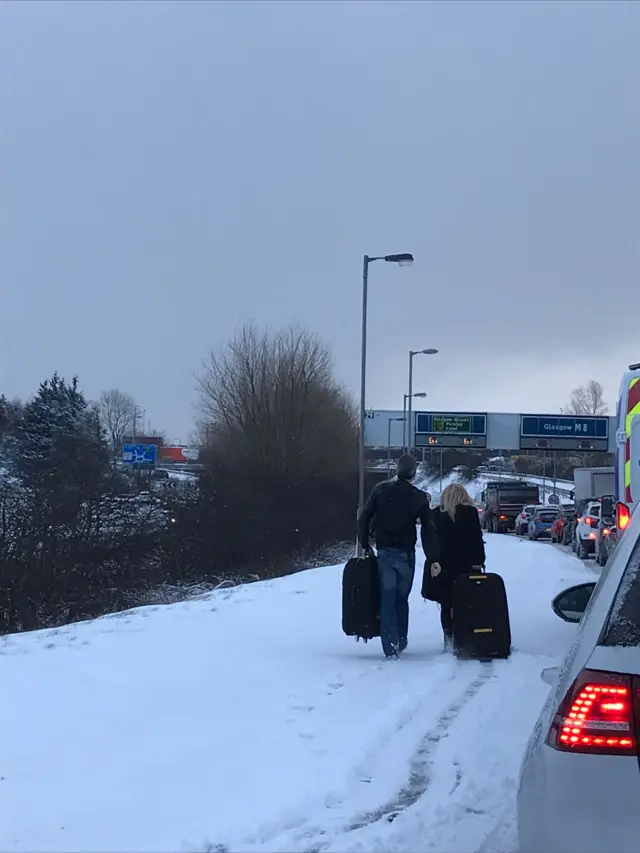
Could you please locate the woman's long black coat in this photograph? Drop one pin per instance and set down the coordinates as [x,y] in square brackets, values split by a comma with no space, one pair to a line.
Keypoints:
[461,547]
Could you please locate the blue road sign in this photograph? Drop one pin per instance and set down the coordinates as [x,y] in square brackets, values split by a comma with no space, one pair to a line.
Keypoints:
[139,454]
[450,423]
[564,426]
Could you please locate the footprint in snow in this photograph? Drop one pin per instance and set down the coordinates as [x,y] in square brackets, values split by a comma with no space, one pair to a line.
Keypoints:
[299,711]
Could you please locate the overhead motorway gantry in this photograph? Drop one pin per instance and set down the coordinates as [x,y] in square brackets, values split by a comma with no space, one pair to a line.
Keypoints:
[493,431]
[567,432]
[450,429]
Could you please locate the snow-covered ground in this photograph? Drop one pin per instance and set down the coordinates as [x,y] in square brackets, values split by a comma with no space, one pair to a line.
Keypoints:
[432,484]
[561,485]
[563,488]
[475,486]
[247,721]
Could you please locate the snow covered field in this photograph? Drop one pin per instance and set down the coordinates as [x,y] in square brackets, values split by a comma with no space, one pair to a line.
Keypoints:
[247,721]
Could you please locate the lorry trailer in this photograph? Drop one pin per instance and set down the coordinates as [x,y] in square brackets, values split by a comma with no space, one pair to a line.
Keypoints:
[503,500]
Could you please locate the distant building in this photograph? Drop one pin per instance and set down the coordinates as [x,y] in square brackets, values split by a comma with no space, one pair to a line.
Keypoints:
[158,440]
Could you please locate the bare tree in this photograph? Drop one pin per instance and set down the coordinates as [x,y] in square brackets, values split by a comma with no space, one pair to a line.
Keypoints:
[272,398]
[588,400]
[117,413]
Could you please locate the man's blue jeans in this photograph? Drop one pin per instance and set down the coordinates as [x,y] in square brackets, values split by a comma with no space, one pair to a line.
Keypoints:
[396,568]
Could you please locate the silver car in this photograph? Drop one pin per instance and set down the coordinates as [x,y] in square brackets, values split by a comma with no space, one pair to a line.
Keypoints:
[522,519]
[580,777]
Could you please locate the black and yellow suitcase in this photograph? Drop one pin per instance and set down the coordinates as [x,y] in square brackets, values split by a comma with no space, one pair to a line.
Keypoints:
[481,625]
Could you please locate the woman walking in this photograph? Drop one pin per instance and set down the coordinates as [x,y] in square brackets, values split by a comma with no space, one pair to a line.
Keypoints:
[461,551]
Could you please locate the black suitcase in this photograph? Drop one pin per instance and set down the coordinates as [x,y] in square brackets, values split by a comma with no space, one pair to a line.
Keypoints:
[481,628]
[361,598]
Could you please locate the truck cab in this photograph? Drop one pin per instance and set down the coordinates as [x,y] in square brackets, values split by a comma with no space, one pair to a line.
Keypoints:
[627,457]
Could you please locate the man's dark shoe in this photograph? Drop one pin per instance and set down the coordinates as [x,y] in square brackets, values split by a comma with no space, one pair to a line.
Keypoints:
[402,646]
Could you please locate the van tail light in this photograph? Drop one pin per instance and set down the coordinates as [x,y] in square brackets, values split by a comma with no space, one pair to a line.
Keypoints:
[504,518]
[623,516]
[606,531]
[524,515]
[598,715]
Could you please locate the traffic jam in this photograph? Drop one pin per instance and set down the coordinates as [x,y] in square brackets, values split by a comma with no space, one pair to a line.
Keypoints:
[589,527]
[603,498]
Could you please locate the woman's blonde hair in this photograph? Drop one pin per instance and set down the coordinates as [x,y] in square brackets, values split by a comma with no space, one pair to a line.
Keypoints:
[453,496]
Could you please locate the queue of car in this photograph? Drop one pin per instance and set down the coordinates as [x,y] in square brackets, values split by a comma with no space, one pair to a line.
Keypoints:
[589,528]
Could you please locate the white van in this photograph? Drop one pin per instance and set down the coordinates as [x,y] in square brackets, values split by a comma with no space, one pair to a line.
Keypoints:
[627,459]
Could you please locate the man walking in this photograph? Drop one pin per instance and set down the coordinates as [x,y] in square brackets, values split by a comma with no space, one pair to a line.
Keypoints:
[391,513]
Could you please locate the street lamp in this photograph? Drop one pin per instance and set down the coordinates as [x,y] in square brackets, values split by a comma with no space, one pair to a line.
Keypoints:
[421,394]
[402,260]
[391,420]
[412,353]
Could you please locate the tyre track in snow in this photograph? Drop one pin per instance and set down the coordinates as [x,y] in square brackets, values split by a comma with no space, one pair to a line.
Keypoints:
[471,806]
[421,766]
[342,817]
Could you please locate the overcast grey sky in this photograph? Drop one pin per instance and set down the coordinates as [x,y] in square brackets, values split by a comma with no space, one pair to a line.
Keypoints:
[169,169]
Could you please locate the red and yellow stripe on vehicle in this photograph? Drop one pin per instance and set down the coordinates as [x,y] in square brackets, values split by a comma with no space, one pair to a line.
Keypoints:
[633,410]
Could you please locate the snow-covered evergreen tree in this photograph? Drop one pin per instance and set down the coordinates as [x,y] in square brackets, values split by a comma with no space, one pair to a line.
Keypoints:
[62,449]
[10,418]
[4,416]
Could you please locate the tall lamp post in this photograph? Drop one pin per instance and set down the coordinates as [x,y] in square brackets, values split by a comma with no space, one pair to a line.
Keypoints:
[402,260]
[391,420]
[421,394]
[410,430]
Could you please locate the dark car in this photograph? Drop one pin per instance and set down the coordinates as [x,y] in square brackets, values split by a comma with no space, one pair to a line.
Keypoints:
[559,523]
[541,522]
[609,542]
[569,527]
[606,528]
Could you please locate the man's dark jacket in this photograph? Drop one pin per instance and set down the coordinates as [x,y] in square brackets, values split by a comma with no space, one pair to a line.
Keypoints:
[391,513]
